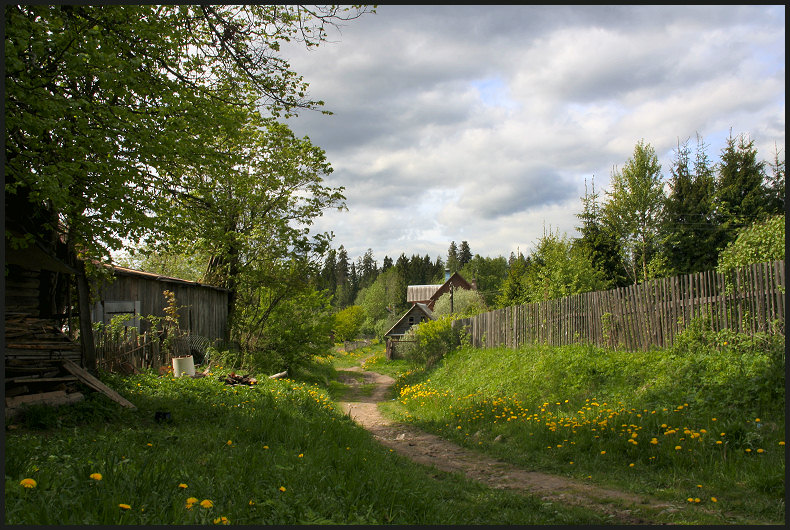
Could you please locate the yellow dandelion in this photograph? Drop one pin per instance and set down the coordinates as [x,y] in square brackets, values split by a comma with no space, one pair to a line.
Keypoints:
[603,452]
[221,520]
[781,443]
[205,503]
[124,507]
[183,486]
[748,450]
[282,488]
[760,451]
[714,499]
[230,442]
[690,499]
[252,503]
[631,465]
[265,446]
[301,455]
[96,476]
[697,499]
[28,483]
[678,448]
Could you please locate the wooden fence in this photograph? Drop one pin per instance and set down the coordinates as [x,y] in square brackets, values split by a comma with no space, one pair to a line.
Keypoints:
[114,349]
[644,316]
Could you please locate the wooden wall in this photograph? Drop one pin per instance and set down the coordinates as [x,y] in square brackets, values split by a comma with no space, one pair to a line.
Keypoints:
[204,311]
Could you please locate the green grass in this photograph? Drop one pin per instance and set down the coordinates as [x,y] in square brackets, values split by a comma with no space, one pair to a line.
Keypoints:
[698,422]
[279,452]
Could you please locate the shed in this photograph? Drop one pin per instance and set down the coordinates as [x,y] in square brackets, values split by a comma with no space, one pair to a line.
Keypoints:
[203,308]
[417,313]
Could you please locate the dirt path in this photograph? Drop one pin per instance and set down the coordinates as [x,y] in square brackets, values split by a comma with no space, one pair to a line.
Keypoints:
[432,450]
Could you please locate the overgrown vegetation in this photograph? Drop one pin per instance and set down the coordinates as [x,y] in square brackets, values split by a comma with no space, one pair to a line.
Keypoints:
[275,453]
[701,423]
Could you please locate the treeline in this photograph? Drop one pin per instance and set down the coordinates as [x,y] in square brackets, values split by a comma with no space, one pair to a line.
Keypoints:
[646,226]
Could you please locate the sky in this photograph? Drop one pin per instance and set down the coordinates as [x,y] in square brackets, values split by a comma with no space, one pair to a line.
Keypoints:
[484,123]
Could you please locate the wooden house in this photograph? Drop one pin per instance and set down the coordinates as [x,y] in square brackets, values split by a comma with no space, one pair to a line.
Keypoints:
[418,313]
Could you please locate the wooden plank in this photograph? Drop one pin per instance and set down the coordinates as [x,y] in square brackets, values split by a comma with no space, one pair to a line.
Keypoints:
[95,384]
[41,379]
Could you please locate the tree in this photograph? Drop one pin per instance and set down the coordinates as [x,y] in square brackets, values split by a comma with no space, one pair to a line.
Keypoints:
[741,198]
[453,262]
[775,185]
[558,269]
[690,231]
[489,274]
[634,208]
[464,303]
[348,323]
[598,241]
[111,111]
[383,302]
[464,254]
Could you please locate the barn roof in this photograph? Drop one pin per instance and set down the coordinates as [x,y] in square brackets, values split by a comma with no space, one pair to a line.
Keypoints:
[159,277]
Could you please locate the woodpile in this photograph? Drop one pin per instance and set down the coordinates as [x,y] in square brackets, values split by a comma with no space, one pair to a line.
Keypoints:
[36,339]
[41,382]
[52,382]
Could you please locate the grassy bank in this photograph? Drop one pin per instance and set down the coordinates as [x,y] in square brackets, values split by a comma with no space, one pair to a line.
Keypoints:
[275,453]
[701,425]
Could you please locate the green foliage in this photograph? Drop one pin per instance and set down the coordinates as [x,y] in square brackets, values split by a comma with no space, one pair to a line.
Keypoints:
[383,302]
[348,322]
[690,232]
[555,269]
[489,273]
[433,340]
[293,331]
[109,108]
[465,303]
[758,243]
[635,207]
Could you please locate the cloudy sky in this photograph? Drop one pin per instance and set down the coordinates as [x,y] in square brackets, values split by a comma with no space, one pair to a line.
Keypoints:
[481,123]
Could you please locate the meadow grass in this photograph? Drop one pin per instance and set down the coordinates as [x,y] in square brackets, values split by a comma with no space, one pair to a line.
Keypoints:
[700,425]
[278,452]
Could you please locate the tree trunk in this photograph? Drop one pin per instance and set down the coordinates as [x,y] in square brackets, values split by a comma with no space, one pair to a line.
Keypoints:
[86,326]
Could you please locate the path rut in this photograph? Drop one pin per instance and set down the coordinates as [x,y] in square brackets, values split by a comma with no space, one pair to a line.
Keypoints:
[431,450]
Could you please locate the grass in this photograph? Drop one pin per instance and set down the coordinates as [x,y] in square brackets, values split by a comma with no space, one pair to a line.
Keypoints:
[279,452]
[701,425]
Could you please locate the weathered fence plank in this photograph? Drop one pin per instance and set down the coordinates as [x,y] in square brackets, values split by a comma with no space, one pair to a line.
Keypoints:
[642,316]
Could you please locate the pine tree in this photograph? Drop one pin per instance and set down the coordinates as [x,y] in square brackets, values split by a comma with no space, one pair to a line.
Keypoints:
[452,258]
[741,197]
[689,229]
[464,254]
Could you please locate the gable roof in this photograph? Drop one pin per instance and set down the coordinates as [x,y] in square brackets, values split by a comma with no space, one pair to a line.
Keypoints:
[416,308]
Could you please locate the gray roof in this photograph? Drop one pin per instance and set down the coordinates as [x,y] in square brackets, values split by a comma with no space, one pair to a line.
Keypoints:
[420,293]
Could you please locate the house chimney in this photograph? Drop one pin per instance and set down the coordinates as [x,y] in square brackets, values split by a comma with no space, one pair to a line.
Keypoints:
[446,274]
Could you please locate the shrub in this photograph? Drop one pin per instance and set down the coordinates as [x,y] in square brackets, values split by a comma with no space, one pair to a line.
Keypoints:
[348,323]
[432,340]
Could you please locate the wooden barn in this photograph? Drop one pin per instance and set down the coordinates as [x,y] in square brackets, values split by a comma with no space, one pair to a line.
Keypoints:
[418,312]
[203,309]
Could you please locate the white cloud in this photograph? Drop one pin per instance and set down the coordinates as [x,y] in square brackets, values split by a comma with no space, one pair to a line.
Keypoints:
[461,123]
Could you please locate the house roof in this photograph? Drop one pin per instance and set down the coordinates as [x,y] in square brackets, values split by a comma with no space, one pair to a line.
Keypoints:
[416,308]
[420,293]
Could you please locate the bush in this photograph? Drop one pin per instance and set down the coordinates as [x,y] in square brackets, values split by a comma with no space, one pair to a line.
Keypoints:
[432,340]
[348,323]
